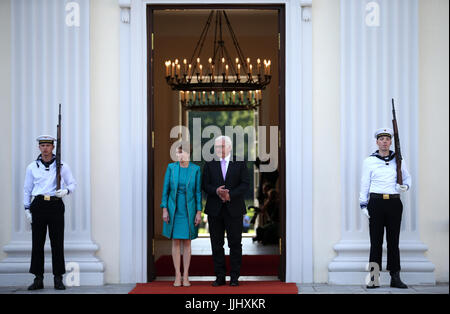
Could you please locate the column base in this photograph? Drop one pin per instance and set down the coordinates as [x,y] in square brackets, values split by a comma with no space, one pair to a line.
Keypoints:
[359,278]
[82,267]
[351,264]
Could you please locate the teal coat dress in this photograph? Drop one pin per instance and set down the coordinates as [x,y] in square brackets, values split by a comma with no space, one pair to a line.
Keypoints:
[182,196]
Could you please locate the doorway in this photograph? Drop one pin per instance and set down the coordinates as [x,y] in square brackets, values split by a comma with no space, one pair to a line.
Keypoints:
[172,32]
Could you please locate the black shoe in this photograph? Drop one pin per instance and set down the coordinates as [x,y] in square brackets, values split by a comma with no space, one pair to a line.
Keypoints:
[220,281]
[396,282]
[38,283]
[58,280]
[234,282]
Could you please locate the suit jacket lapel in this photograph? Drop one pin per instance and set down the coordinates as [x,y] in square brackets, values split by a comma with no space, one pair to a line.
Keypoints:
[230,168]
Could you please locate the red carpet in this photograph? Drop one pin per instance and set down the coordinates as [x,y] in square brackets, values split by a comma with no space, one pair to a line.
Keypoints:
[204,287]
[202,265]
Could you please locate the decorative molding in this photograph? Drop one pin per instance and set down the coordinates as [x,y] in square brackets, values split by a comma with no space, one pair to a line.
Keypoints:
[306,13]
[125,6]
[125,15]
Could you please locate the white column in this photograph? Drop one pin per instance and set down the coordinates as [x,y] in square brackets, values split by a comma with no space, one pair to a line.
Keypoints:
[379,61]
[50,65]
[299,252]
[133,134]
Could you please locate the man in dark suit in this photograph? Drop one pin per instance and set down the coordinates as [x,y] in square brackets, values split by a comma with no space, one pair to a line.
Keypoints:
[225,182]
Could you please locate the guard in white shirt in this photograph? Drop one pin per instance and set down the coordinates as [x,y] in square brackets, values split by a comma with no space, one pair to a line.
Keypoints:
[380,201]
[44,208]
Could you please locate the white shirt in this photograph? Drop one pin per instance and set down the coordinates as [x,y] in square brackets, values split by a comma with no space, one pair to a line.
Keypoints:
[39,181]
[377,177]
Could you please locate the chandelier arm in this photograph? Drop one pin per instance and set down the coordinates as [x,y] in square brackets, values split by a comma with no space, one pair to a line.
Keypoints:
[215,40]
[236,43]
[201,40]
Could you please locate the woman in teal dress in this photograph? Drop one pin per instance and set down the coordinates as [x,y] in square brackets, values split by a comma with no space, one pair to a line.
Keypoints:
[182,208]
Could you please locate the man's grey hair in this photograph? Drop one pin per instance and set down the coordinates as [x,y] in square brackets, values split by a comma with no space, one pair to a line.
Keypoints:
[225,138]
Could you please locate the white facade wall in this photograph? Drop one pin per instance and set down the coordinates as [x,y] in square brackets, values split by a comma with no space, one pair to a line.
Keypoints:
[5,121]
[326,134]
[433,133]
[105,119]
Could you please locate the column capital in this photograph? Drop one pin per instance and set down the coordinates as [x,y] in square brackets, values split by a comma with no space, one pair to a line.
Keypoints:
[306,13]
[125,7]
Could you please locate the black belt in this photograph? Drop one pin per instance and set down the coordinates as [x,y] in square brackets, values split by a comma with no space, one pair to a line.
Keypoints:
[47,198]
[384,196]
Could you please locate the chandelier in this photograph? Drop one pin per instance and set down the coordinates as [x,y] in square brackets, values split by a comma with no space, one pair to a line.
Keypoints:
[222,83]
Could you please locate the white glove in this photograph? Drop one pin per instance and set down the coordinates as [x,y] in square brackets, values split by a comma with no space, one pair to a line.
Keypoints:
[365,212]
[61,193]
[28,216]
[401,187]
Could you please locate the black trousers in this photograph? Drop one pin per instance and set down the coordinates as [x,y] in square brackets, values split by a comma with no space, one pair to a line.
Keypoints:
[47,214]
[385,214]
[217,227]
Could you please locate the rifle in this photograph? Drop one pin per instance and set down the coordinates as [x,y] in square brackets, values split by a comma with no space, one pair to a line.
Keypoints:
[398,153]
[58,152]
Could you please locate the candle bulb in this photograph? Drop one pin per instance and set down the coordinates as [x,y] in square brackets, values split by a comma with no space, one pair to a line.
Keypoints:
[226,72]
[268,67]
[167,68]
[234,96]
[223,97]
[185,66]
[173,69]
[223,66]
[258,68]
[237,60]
[178,70]
[238,70]
[250,69]
[241,97]
[201,71]
[190,70]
